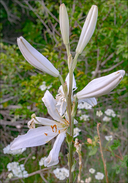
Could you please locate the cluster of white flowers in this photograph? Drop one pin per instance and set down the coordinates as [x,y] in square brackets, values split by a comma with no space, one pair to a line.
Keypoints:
[92,170]
[109,138]
[99,176]
[44,87]
[110,112]
[41,162]
[7,150]
[106,118]
[17,170]
[61,173]
[84,117]
[99,113]
[84,105]
[76,132]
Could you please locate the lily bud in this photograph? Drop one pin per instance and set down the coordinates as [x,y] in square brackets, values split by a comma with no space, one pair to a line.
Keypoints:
[35,58]
[101,86]
[64,23]
[88,29]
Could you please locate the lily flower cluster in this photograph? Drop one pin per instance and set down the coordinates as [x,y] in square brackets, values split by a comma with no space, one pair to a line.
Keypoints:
[58,125]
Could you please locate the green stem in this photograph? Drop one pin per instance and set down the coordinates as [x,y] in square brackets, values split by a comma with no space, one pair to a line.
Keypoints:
[71,125]
[61,80]
[75,61]
[67,49]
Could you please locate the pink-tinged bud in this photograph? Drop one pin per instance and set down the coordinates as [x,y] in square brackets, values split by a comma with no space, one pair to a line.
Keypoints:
[35,58]
[64,23]
[88,29]
[101,86]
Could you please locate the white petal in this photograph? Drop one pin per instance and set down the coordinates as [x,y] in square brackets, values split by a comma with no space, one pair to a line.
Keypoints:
[52,159]
[45,121]
[102,85]
[50,103]
[88,29]
[34,137]
[62,107]
[91,101]
[64,23]
[35,58]
[73,84]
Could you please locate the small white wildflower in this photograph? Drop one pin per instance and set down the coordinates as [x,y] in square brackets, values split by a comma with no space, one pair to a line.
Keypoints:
[109,138]
[80,106]
[110,112]
[41,162]
[88,180]
[10,175]
[25,174]
[79,111]
[81,181]
[18,126]
[87,106]
[12,165]
[99,176]
[92,170]
[44,87]
[61,173]
[76,132]
[84,117]
[33,157]
[7,150]
[105,118]
[93,72]
[99,113]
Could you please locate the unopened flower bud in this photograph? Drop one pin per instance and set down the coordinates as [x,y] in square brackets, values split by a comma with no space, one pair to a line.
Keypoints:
[101,86]
[88,29]
[64,23]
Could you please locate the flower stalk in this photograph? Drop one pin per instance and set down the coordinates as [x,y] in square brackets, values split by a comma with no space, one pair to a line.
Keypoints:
[102,156]
[70,124]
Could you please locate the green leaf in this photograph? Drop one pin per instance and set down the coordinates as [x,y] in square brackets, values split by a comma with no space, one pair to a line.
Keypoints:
[68,138]
[93,151]
[115,145]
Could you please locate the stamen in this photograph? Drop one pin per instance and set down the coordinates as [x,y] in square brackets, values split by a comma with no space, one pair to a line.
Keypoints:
[66,121]
[59,131]
[31,124]
[54,126]
[45,134]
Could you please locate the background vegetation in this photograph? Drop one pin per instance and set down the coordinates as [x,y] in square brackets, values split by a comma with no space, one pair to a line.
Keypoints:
[37,21]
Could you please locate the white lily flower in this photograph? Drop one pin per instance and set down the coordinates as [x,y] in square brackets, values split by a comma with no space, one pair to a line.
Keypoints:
[64,23]
[41,135]
[61,100]
[101,86]
[88,29]
[35,58]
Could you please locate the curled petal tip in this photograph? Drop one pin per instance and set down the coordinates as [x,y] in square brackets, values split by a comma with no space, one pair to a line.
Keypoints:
[122,72]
